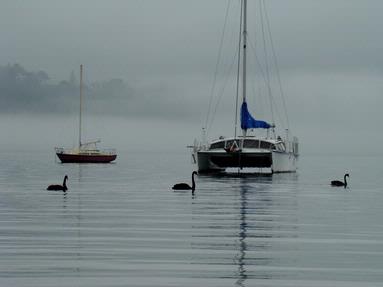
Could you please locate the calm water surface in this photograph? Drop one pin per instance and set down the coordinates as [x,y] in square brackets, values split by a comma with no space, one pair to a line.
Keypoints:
[121,224]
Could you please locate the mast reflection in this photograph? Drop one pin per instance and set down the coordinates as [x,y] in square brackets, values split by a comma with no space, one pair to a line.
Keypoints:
[242,237]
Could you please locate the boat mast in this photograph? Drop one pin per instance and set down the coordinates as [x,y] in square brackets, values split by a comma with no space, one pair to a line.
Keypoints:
[79,130]
[244,33]
[244,50]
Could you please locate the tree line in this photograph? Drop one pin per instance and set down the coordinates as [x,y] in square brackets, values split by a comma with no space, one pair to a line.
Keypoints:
[23,91]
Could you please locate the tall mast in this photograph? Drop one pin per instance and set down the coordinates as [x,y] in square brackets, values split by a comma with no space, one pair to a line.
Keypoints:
[244,50]
[244,33]
[79,130]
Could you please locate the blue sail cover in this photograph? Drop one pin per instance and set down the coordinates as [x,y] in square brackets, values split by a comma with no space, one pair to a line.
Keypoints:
[248,122]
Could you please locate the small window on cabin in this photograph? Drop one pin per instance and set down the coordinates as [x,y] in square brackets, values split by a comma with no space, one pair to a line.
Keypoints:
[265,145]
[251,143]
[217,145]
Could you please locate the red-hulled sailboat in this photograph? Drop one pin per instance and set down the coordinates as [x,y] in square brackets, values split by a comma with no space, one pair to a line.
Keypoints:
[86,152]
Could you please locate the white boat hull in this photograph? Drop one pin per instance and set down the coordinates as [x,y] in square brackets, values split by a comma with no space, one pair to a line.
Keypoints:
[258,160]
[284,162]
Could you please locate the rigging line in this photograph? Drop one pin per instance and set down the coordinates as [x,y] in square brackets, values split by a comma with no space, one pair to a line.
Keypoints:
[276,64]
[217,64]
[257,64]
[238,69]
[257,61]
[222,91]
[262,72]
[279,118]
[266,61]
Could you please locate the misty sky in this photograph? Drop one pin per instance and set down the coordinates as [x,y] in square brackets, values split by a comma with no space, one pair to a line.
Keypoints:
[329,55]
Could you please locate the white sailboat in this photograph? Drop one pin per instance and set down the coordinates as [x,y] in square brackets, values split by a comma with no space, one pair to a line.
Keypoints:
[254,153]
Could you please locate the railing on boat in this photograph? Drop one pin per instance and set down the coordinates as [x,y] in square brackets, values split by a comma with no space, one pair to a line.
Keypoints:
[60,150]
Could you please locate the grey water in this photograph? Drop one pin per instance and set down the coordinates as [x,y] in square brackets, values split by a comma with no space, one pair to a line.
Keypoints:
[121,224]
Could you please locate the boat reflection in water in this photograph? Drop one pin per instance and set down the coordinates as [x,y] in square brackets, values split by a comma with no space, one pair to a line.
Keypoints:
[242,238]
[239,234]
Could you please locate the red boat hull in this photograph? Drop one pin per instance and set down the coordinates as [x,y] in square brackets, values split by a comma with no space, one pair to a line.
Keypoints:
[85,158]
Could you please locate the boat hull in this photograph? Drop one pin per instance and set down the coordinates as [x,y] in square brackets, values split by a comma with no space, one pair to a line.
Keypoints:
[86,158]
[284,162]
[218,161]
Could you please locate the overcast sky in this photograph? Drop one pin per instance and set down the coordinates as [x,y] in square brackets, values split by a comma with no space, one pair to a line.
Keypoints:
[135,38]
[329,54]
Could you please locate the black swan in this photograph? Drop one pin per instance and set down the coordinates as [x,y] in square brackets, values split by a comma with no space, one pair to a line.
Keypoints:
[59,187]
[185,186]
[340,183]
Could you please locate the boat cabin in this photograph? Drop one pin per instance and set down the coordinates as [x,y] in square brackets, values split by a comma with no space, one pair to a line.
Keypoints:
[249,143]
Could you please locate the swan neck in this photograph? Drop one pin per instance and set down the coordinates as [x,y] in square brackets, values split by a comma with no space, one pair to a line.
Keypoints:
[345,181]
[193,182]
